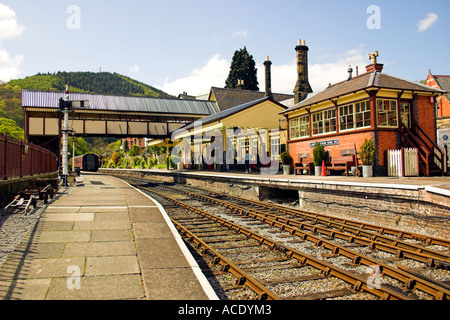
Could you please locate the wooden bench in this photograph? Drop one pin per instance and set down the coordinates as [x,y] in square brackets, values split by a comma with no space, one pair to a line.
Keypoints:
[342,163]
[304,163]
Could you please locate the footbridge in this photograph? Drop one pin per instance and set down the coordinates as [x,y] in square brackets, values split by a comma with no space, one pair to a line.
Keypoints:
[107,115]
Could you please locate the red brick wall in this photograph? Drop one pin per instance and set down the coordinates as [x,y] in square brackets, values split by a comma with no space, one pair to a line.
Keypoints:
[386,140]
[426,118]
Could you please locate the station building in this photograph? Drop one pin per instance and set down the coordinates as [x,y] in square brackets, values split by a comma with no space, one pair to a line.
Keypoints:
[252,126]
[394,112]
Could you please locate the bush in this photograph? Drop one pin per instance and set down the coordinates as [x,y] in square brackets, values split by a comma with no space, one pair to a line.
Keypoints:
[319,154]
[286,158]
[173,161]
[367,152]
[152,162]
[115,157]
[111,164]
[135,151]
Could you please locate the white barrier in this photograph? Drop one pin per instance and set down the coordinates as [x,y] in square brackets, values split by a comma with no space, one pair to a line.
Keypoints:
[403,162]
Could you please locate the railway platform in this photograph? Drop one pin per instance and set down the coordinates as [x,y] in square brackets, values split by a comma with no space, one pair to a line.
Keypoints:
[103,240]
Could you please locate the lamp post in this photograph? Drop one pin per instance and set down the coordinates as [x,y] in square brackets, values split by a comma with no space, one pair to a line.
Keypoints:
[64,106]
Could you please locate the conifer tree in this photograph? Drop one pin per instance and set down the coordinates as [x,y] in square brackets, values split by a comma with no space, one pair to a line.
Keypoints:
[242,68]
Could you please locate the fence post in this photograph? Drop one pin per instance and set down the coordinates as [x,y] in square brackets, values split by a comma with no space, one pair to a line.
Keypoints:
[402,161]
[22,156]
[445,159]
[5,167]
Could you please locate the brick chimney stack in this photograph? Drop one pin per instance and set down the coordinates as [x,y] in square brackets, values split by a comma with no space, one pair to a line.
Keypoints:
[374,66]
[302,87]
[267,65]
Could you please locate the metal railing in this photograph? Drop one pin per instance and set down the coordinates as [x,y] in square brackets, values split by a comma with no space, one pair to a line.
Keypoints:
[19,159]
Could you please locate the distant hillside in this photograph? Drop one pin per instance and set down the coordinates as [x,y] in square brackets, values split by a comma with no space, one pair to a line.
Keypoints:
[88,82]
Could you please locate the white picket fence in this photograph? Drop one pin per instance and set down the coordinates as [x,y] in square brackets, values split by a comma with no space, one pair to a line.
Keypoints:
[403,162]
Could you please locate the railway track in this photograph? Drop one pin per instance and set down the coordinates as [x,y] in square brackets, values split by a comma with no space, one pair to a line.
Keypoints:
[274,252]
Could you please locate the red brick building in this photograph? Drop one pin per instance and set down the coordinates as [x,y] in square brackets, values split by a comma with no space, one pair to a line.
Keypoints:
[135,141]
[443,102]
[394,112]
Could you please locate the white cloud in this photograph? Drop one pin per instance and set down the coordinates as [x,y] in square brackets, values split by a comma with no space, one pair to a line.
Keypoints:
[334,70]
[9,66]
[428,21]
[9,28]
[134,69]
[284,77]
[240,33]
[200,81]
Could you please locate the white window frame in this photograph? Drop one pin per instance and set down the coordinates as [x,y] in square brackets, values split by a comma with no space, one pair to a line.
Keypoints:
[346,116]
[366,111]
[381,103]
[325,120]
[294,125]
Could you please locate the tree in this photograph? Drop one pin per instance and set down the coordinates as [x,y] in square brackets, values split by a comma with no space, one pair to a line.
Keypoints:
[80,147]
[10,127]
[242,68]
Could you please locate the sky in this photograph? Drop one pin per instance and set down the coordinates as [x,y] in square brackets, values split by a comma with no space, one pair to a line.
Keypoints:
[187,45]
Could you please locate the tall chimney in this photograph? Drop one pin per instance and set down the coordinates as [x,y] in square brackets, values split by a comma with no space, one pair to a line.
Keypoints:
[267,65]
[240,84]
[302,87]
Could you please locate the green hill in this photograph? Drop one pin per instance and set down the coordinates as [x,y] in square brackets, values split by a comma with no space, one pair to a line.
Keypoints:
[88,82]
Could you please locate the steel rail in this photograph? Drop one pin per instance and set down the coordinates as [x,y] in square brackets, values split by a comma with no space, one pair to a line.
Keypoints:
[411,281]
[358,282]
[432,258]
[373,242]
[361,226]
[242,277]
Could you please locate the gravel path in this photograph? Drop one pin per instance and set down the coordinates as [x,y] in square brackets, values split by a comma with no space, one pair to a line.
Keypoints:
[14,225]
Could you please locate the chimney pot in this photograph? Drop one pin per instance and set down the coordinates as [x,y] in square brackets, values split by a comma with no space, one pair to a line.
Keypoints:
[240,84]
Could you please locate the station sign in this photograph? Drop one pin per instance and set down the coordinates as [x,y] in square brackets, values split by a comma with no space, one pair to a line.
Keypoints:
[325,143]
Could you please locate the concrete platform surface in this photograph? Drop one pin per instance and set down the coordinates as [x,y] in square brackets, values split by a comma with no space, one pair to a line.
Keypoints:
[103,240]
